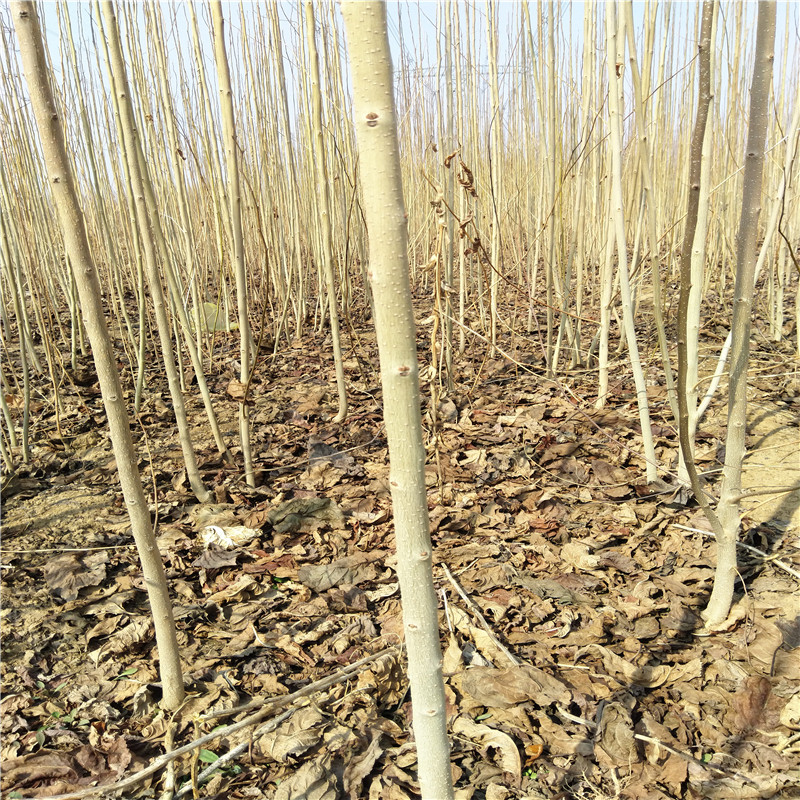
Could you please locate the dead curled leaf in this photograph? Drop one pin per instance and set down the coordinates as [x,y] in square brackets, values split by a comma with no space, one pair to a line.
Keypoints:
[615,735]
[313,780]
[67,574]
[349,570]
[485,644]
[790,716]
[84,766]
[221,514]
[578,556]
[502,688]
[748,704]
[386,679]
[294,737]
[647,676]
[508,758]
[236,390]
[764,787]
[360,765]
[299,513]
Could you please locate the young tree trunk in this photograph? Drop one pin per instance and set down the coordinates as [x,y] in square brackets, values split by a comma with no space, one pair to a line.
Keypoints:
[292,178]
[324,201]
[615,123]
[246,348]
[649,197]
[132,147]
[29,35]
[696,163]
[450,194]
[376,132]
[495,161]
[551,273]
[746,252]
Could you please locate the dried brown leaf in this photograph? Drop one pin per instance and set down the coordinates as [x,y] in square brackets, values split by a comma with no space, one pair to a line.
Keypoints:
[67,574]
[501,688]
[312,780]
[487,738]
[615,735]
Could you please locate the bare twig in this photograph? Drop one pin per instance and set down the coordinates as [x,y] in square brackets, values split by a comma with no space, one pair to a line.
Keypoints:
[765,556]
[564,714]
[340,675]
[267,707]
[476,611]
[235,752]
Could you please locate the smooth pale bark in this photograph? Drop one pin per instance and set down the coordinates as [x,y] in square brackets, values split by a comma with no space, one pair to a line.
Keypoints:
[117,305]
[464,201]
[133,237]
[450,193]
[323,199]
[649,198]
[62,185]
[780,202]
[292,178]
[746,255]
[15,283]
[9,420]
[246,348]
[376,132]
[203,118]
[495,161]
[577,248]
[699,259]
[131,145]
[176,288]
[551,272]
[606,294]
[695,167]
[615,124]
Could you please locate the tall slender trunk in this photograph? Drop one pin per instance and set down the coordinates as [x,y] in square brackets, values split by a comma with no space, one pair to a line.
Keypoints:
[495,161]
[376,131]
[135,160]
[746,253]
[615,124]
[246,347]
[696,164]
[29,35]
[324,200]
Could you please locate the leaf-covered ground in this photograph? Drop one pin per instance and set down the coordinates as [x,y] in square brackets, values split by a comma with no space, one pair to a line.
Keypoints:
[570,590]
